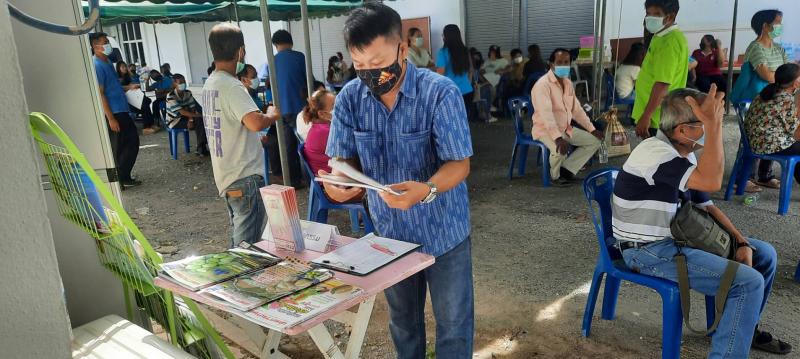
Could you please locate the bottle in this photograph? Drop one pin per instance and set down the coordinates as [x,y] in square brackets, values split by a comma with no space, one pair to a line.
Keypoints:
[602,154]
[750,199]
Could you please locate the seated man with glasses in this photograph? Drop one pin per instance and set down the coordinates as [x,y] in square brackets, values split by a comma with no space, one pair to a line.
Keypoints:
[658,175]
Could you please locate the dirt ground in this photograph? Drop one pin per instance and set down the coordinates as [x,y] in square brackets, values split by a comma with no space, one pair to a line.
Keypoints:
[534,251]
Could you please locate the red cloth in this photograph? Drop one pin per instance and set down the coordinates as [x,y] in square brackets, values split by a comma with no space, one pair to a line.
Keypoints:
[314,151]
[706,65]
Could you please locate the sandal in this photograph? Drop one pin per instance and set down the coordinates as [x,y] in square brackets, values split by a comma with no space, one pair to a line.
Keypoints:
[764,341]
[773,183]
[751,187]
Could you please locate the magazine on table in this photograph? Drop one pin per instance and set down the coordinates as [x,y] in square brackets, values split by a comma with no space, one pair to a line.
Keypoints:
[352,178]
[200,272]
[365,255]
[301,306]
[258,288]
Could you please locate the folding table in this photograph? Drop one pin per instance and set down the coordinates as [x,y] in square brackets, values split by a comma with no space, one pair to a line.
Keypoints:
[371,285]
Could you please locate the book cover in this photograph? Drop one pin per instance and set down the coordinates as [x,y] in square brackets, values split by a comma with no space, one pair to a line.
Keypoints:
[299,307]
[258,288]
[280,203]
[200,272]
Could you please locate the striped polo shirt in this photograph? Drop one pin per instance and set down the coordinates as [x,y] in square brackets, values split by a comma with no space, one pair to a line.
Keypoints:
[649,189]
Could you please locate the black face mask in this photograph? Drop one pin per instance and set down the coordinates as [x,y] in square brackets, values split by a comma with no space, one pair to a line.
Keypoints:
[382,80]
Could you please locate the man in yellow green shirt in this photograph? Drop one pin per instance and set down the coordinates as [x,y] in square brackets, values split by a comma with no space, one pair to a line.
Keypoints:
[665,67]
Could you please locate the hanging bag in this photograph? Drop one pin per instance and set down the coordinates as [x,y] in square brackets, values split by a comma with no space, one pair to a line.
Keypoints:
[616,137]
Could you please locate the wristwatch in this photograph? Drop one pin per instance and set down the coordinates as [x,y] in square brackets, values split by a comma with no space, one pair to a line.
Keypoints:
[432,195]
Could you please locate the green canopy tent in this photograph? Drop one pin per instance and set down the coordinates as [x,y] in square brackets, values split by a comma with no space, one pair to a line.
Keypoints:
[116,12]
[166,11]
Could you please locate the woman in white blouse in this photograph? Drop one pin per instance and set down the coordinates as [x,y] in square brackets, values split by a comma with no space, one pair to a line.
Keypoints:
[417,53]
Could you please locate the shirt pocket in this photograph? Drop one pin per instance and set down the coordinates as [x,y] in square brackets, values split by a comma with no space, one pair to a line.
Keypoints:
[414,152]
[369,150]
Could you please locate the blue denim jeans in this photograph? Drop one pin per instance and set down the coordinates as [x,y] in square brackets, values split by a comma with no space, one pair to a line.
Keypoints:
[450,283]
[746,299]
[246,210]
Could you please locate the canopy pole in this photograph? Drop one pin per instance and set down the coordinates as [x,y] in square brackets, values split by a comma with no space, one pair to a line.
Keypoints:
[304,19]
[273,81]
[158,50]
[731,52]
[597,58]
[236,13]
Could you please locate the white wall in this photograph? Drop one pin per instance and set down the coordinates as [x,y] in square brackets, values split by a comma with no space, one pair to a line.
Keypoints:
[35,322]
[699,17]
[441,12]
[71,99]
[171,46]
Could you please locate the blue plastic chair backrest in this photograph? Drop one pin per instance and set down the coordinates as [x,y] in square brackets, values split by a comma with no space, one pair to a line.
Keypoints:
[599,188]
[520,106]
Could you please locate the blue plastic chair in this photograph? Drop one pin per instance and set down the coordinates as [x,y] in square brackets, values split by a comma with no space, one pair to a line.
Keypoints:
[531,80]
[173,133]
[612,98]
[518,105]
[744,166]
[598,187]
[319,204]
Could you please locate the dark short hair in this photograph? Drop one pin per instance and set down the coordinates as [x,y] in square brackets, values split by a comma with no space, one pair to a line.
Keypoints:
[243,73]
[763,17]
[557,50]
[367,23]
[225,40]
[176,77]
[282,37]
[96,36]
[516,52]
[668,6]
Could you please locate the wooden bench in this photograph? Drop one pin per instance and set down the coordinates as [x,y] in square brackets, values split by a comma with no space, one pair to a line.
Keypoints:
[114,337]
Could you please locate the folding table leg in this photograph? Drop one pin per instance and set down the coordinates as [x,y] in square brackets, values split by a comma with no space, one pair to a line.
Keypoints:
[268,344]
[270,350]
[325,342]
[359,330]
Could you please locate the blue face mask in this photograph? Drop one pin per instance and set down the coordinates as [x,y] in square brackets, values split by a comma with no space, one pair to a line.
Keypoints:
[561,71]
[777,31]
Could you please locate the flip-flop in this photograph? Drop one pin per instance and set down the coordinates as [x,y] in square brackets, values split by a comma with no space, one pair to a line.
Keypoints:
[764,341]
[773,183]
[751,187]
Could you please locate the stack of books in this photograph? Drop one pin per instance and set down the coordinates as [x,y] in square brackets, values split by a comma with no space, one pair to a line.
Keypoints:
[284,218]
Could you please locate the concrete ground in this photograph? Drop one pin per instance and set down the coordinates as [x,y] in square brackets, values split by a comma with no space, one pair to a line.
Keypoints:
[534,251]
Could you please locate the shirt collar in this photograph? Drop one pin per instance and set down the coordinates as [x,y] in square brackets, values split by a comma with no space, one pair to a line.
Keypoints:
[666,31]
[409,86]
[551,76]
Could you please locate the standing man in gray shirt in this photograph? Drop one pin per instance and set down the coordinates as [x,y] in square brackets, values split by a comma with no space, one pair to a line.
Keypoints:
[232,121]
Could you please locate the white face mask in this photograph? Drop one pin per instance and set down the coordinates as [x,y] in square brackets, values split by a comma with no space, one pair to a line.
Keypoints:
[254,83]
[518,60]
[107,49]
[182,87]
[653,24]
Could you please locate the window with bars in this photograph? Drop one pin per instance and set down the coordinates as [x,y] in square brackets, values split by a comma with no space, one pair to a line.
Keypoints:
[131,42]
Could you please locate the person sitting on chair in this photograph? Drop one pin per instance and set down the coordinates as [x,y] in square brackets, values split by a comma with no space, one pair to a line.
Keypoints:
[162,86]
[183,111]
[660,173]
[555,107]
[628,71]
[772,123]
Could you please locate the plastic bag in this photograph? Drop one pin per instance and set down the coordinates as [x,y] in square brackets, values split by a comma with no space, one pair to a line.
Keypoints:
[616,137]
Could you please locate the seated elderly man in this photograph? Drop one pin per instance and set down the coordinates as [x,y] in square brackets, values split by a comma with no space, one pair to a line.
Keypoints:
[555,106]
[183,111]
[661,172]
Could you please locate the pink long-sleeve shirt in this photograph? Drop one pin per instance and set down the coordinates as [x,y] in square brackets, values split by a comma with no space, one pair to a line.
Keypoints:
[554,108]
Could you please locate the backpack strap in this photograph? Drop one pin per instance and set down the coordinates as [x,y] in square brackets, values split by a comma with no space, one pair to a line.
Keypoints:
[722,293]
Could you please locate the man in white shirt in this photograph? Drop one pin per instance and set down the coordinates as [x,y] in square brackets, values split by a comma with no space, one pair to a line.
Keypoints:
[232,121]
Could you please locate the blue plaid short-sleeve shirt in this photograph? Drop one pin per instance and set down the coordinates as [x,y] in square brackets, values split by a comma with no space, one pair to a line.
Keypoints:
[427,127]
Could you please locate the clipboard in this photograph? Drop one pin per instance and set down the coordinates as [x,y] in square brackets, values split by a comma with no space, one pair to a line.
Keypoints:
[365,255]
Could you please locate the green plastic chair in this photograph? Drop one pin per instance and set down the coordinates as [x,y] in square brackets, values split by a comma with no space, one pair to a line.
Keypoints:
[121,246]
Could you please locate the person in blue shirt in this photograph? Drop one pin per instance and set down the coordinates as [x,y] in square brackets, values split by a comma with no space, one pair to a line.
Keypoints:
[122,131]
[162,85]
[291,66]
[408,127]
[454,61]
